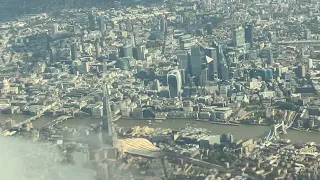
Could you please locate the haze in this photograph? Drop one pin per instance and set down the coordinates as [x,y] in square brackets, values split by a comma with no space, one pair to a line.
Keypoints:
[22,160]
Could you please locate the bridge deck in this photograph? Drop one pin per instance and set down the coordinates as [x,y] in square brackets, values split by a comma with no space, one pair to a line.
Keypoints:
[56,121]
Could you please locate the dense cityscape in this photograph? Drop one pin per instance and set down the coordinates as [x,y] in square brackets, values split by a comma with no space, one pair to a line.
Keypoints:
[75,71]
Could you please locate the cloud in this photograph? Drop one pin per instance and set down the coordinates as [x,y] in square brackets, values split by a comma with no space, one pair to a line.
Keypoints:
[25,160]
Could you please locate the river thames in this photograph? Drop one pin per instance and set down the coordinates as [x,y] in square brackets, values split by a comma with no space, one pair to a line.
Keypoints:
[239,132]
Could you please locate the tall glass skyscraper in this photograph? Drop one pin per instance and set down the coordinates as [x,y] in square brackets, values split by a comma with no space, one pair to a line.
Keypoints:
[238,37]
[249,34]
[174,83]
[196,61]
[213,65]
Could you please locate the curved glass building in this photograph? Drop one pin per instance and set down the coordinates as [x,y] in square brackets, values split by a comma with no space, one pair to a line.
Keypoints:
[174,83]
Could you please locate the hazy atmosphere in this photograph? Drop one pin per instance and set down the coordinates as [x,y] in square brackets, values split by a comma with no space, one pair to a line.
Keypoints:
[159,89]
[21,160]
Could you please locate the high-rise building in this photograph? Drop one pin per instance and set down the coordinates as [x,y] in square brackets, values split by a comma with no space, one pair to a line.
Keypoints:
[183,60]
[133,40]
[270,56]
[183,76]
[141,53]
[92,21]
[213,64]
[307,34]
[196,61]
[53,54]
[310,64]
[55,28]
[249,34]
[135,53]
[174,83]
[163,24]
[209,28]
[203,77]
[126,51]
[238,37]
[301,71]
[74,51]
[102,24]
[224,71]
[98,49]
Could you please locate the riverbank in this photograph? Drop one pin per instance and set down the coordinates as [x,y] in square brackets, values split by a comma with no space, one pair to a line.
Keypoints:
[240,132]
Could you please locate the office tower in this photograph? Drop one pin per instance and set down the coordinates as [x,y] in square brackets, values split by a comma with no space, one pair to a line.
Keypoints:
[271,36]
[48,42]
[301,71]
[310,64]
[126,51]
[213,63]
[55,28]
[77,29]
[133,40]
[195,61]
[249,34]
[98,49]
[53,54]
[141,55]
[163,24]
[203,77]
[307,34]
[224,71]
[174,83]
[227,138]
[269,56]
[135,53]
[209,28]
[102,24]
[183,60]
[92,21]
[183,76]
[238,37]
[156,85]
[74,51]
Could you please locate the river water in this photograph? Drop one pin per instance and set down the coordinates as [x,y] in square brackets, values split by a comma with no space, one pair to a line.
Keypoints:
[239,132]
